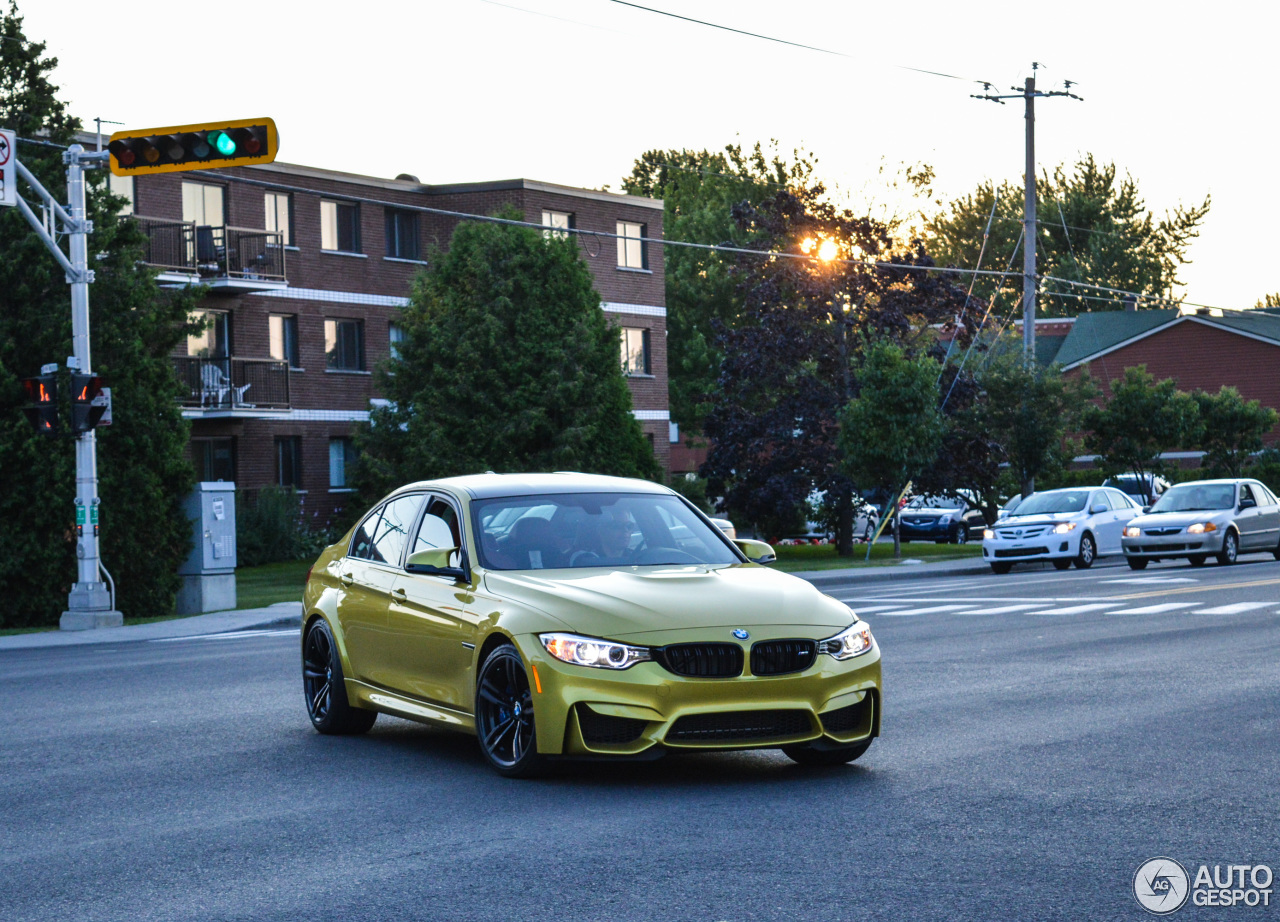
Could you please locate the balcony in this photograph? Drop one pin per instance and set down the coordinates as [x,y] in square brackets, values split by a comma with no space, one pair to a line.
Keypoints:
[232,386]
[234,260]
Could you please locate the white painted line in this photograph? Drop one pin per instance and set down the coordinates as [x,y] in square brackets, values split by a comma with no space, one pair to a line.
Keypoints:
[227,635]
[1143,580]
[870,608]
[1072,610]
[1236,609]
[1154,609]
[1004,609]
[937,609]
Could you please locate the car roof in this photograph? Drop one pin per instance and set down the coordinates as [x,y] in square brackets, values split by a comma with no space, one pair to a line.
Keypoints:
[1192,483]
[489,484]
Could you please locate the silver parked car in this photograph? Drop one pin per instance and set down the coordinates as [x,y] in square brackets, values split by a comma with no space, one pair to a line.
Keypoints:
[1223,518]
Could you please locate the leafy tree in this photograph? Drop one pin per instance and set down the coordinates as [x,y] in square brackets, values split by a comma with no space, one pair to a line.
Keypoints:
[790,355]
[1270,301]
[1142,420]
[891,432]
[1093,227]
[508,365]
[699,190]
[142,468]
[1231,429]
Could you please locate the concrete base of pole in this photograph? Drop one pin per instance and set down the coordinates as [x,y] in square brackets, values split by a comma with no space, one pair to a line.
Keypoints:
[89,620]
[200,594]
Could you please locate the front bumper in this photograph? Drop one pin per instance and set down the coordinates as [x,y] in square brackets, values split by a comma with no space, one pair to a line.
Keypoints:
[1046,546]
[641,710]
[931,532]
[1181,544]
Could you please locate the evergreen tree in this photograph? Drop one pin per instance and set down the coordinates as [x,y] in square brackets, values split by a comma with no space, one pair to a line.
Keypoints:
[508,364]
[143,472]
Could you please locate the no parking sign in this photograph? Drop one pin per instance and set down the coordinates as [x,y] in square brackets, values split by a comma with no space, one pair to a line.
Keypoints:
[8,168]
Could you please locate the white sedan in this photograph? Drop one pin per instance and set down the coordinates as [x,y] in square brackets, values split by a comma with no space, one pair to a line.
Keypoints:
[1064,526]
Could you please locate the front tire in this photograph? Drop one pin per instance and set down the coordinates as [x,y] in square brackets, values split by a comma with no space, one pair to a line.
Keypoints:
[1197,560]
[1062,563]
[326,692]
[962,534]
[808,756]
[1138,563]
[1230,550]
[504,715]
[1088,551]
[1001,568]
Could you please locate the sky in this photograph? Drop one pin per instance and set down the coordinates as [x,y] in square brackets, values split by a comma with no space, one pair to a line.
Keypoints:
[572,91]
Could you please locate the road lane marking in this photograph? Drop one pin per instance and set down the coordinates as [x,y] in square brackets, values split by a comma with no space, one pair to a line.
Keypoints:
[1182,590]
[1002,610]
[937,609]
[1154,609]
[1236,609]
[226,635]
[1071,610]
[1142,580]
[871,608]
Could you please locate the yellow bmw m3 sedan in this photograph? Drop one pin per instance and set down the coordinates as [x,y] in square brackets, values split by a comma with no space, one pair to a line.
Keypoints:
[562,616]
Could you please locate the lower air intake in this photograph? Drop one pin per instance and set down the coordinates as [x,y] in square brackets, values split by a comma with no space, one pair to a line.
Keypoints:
[606,729]
[739,727]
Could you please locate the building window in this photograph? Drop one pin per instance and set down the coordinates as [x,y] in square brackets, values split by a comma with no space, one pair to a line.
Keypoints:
[289,461]
[203,205]
[344,344]
[123,187]
[342,454]
[396,334]
[215,459]
[633,252]
[280,215]
[635,351]
[402,234]
[214,341]
[283,335]
[340,227]
[562,220]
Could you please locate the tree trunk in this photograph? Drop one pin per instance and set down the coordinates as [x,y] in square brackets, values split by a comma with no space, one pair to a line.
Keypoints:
[844,526]
[897,539]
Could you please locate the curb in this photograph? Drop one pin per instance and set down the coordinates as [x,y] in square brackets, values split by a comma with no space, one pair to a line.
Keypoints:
[892,572]
[282,614]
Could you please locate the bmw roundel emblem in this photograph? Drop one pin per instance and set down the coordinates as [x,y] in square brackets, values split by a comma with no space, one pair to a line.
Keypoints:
[740,633]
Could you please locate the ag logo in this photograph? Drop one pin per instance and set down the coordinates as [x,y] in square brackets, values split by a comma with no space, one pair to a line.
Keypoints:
[1161,885]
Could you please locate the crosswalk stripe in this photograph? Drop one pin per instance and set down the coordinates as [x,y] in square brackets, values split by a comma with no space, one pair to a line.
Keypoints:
[1071,610]
[871,608]
[1236,609]
[938,609]
[999,611]
[1153,609]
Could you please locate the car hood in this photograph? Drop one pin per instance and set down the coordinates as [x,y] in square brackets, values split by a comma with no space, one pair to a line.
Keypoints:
[1179,519]
[618,603]
[1051,518]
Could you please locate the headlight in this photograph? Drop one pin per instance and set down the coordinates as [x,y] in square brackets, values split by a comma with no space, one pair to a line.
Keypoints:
[850,642]
[944,520]
[987,534]
[1201,527]
[1063,527]
[1133,531]
[588,651]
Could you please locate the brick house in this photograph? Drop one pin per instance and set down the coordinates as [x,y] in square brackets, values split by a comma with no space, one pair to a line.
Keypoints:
[308,270]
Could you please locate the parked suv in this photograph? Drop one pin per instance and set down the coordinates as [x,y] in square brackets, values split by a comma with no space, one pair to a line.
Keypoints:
[1143,490]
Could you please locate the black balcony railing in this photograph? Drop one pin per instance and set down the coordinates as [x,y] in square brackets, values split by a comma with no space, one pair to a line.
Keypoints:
[233,383]
[212,252]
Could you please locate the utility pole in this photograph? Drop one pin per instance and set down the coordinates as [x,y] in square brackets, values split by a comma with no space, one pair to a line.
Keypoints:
[1029,93]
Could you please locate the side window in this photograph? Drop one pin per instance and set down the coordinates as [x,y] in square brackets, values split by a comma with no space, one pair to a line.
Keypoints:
[362,542]
[1119,501]
[1102,497]
[439,529]
[1246,493]
[1264,494]
[393,529]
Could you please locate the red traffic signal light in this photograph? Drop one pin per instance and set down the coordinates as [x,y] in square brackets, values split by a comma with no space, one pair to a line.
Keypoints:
[42,403]
[88,403]
[194,147]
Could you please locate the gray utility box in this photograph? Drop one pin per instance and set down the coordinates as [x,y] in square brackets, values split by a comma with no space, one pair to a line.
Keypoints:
[209,573]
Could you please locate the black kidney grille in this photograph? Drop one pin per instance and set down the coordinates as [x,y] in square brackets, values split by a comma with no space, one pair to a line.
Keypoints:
[604,728]
[739,727]
[848,718]
[702,660]
[777,657]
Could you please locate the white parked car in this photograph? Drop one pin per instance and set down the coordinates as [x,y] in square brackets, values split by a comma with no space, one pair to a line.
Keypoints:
[1076,525]
[725,526]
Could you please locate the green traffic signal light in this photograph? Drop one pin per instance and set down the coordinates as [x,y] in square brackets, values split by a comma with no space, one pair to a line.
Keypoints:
[223,142]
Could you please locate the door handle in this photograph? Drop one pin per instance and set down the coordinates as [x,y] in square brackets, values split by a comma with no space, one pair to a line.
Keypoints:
[347,579]
[398,595]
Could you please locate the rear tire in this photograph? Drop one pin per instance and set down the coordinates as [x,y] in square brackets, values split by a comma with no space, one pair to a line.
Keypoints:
[1001,568]
[808,756]
[1062,563]
[1088,552]
[326,692]
[1138,563]
[1230,549]
[1276,553]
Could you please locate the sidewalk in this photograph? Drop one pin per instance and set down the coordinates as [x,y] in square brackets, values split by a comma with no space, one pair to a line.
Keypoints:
[282,614]
[897,571]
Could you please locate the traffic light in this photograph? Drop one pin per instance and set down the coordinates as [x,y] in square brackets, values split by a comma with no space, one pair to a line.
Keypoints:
[88,403]
[193,147]
[42,403]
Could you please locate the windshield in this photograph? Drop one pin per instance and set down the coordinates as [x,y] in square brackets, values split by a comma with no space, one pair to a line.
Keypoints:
[936,502]
[1197,497]
[575,530]
[1053,501]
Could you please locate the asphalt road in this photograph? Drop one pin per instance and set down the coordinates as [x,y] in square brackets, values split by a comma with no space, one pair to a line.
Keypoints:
[1032,758]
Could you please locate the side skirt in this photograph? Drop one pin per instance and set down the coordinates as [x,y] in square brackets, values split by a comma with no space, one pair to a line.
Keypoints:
[375,698]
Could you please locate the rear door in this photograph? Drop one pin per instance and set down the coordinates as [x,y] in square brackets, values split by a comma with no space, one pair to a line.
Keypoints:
[1249,519]
[1269,514]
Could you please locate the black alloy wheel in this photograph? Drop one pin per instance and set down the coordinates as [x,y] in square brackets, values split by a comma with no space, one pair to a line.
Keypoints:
[1088,551]
[806,754]
[325,691]
[504,715]
[1138,563]
[1230,549]
[1062,563]
[962,534]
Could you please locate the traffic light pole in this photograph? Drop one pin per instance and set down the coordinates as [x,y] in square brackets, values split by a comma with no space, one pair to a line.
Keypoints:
[89,603]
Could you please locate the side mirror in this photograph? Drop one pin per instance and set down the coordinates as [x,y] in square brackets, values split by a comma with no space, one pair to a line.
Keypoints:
[1247,503]
[435,562]
[1098,507]
[1146,509]
[756,551]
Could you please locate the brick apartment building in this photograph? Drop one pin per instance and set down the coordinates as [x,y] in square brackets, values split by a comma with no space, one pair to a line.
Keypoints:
[308,270]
